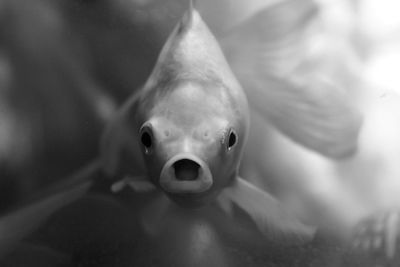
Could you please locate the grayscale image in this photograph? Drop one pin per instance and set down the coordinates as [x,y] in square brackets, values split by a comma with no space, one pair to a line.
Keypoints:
[204,133]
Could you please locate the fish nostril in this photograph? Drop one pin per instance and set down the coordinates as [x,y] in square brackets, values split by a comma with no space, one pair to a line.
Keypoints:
[186,170]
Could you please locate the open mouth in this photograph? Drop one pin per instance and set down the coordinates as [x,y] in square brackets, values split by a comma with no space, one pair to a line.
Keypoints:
[185,174]
[186,170]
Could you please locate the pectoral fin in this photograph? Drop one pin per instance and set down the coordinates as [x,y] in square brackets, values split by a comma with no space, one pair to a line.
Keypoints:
[271,218]
[119,149]
[138,183]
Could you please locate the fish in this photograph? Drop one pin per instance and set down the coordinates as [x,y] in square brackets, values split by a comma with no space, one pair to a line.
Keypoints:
[190,119]
[183,134]
[189,124]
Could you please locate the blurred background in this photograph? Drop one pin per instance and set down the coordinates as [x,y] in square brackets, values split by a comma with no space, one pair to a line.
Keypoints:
[64,68]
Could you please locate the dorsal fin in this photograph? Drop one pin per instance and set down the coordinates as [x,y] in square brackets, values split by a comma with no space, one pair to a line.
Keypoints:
[191,8]
[191,52]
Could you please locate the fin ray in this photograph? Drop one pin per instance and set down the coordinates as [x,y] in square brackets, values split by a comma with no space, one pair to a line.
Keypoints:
[267,213]
[286,86]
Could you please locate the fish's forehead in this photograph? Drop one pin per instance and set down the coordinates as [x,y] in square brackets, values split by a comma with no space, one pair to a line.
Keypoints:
[194,104]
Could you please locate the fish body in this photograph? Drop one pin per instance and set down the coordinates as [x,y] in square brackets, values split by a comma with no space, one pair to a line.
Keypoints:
[190,118]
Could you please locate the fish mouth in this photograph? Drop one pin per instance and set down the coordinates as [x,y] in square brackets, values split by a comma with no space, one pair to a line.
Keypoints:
[185,174]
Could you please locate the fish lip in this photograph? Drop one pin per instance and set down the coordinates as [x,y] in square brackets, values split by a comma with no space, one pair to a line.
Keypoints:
[170,184]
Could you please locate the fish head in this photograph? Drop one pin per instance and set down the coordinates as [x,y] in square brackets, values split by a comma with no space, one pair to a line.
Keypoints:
[192,116]
[192,139]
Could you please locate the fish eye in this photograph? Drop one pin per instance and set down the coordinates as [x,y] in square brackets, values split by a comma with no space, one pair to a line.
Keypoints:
[232,139]
[146,138]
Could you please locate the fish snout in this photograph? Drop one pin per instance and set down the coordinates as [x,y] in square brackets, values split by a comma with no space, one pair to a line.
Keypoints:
[185,173]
